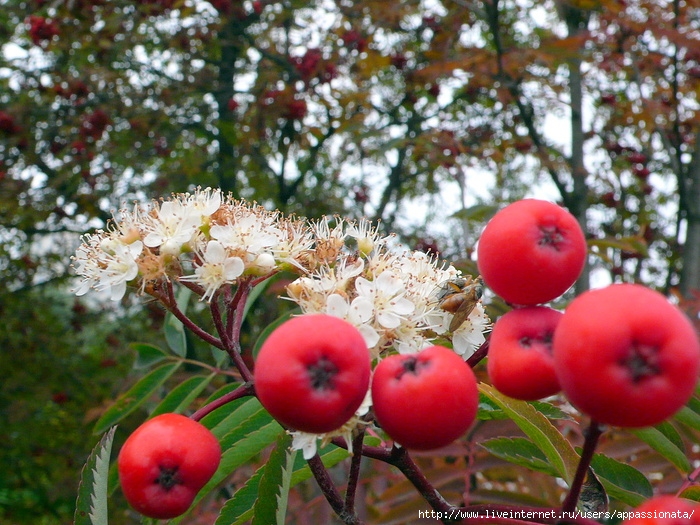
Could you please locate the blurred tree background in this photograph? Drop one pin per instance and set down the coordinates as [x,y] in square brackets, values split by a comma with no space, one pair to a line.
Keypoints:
[424,115]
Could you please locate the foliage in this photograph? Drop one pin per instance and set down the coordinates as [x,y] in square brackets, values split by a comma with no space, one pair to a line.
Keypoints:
[61,359]
[357,108]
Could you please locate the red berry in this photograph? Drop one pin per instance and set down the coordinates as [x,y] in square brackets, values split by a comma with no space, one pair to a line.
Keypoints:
[426,400]
[531,252]
[165,463]
[626,356]
[313,372]
[520,362]
[664,510]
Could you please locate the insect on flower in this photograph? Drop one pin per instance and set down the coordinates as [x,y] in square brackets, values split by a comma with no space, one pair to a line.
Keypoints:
[459,296]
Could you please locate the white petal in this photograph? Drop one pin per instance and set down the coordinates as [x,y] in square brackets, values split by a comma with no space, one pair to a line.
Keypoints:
[337,306]
[361,310]
[370,334]
[233,267]
[388,319]
[117,290]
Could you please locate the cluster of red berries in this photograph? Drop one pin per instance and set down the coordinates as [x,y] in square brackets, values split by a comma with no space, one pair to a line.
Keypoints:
[623,355]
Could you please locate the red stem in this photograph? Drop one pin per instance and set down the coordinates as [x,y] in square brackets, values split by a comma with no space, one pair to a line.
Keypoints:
[592,434]
[246,389]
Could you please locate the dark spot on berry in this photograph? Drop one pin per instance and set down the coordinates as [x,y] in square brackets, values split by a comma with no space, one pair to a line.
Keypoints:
[412,366]
[168,477]
[321,374]
[543,341]
[642,362]
[551,236]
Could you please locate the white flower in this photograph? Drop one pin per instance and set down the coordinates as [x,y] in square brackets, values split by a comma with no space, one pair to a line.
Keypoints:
[305,442]
[170,227]
[203,203]
[248,234]
[470,336]
[386,294]
[294,241]
[308,443]
[216,269]
[107,263]
[366,235]
[358,313]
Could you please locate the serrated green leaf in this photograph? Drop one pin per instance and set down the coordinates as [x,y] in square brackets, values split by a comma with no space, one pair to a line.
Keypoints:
[489,410]
[182,396]
[274,485]
[621,481]
[91,505]
[242,450]
[147,355]
[556,448]
[241,418]
[549,411]
[664,446]
[519,451]
[287,472]
[239,508]
[135,396]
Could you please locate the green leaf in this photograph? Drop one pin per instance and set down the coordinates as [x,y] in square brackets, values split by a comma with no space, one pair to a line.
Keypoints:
[273,491]
[520,451]
[556,448]
[175,334]
[239,508]
[550,411]
[182,396]
[692,493]
[688,417]
[664,446]
[254,294]
[147,355]
[135,396]
[269,329]
[91,505]
[621,481]
[241,418]
[242,450]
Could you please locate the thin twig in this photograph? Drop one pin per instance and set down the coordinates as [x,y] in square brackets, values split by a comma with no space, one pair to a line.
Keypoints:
[244,390]
[354,475]
[592,434]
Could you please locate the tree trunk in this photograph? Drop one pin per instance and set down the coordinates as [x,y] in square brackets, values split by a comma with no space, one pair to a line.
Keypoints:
[690,272]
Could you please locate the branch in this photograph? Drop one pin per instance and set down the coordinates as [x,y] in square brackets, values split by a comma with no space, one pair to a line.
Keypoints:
[592,434]
[246,389]
[331,493]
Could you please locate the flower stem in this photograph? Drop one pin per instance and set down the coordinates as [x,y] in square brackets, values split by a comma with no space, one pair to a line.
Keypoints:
[592,434]
[354,474]
[331,493]
[480,353]
[246,389]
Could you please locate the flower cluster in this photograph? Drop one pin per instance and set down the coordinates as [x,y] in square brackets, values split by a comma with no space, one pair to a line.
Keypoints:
[392,297]
[208,241]
[204,239]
